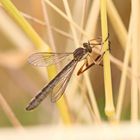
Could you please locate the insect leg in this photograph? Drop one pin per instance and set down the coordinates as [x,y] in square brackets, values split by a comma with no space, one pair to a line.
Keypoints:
[97,61]
[81,69]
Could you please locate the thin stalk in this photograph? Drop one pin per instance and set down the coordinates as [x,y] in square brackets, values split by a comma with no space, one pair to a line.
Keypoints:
[134,60]
[36,20]
[8,111]
[84,9]
[44,24]
[109,105]
[93,19]
[65,17]
[124,72]
[117,23]
[71,25]
[63,33]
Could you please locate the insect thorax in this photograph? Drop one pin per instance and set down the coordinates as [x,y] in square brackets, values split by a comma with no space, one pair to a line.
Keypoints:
[79,53]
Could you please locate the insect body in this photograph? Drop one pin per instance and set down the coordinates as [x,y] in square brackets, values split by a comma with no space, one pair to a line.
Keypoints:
[58,84]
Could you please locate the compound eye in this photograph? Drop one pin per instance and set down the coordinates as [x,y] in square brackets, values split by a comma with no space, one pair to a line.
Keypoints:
[85,44]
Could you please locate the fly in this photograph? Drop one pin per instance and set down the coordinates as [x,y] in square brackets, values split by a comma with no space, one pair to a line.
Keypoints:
[58,84]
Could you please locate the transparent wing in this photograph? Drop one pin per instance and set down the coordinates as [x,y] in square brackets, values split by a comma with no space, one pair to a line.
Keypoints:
[60,87]
[43,59]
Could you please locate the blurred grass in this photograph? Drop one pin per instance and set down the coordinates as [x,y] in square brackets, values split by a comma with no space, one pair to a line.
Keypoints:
[18,96]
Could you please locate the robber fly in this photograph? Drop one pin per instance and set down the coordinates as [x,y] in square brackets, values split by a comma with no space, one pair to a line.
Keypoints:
[58,84]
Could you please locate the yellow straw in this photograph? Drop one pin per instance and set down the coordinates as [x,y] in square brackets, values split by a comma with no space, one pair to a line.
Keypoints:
[109,105]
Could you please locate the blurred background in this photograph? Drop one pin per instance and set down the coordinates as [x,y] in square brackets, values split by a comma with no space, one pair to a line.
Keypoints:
[20,81]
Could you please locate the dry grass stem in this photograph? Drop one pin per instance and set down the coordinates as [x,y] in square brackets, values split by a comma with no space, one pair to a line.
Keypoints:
[134,59]
[92,22]
[84,10]
[109,105]
[124,73]
[29,17]
[68,12]
[44,24]
[8,111]
[117,23]
[48,29]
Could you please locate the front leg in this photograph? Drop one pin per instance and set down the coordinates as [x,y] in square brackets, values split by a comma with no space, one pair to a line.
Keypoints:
[80,71]
[97,61]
